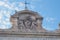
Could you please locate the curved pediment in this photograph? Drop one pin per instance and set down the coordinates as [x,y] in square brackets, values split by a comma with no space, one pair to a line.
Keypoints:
[27,21]
[26,12]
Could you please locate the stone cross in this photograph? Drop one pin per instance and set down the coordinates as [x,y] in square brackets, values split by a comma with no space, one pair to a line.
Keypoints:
[26,4]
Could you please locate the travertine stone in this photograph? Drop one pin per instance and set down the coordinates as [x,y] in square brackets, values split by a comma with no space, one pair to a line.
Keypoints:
[27,25]
[27,21]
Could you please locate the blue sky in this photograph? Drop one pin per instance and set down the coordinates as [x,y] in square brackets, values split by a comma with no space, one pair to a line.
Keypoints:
[49,9]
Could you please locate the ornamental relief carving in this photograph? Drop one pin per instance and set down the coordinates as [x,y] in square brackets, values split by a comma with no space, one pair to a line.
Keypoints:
[27,23]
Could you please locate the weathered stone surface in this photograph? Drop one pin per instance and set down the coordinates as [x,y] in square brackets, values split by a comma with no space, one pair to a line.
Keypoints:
[27,25]
[27,21]
[40,38]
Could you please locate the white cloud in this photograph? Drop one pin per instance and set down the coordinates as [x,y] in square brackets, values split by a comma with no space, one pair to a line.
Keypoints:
[13,6]
[37,0]
[0,16]
[5,0]
[4,4]
[6,13]
[21,4]
[5,25]
[4,21]
[50,19]
[2,27]
[9,6]
[7,20]
[16,8]
[1,3]
[32,6]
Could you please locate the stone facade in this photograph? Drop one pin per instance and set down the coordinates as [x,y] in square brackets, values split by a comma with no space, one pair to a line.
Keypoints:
[27,25]
[27,21]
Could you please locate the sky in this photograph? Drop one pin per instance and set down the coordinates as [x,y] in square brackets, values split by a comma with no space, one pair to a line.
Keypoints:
[48,9]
